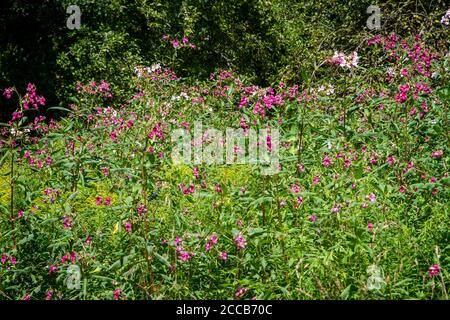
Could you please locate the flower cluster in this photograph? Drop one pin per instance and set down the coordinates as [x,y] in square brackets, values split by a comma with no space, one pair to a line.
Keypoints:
[446,18]
[346,61]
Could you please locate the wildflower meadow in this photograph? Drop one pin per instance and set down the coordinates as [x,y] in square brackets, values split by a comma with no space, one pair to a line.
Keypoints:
[328,179]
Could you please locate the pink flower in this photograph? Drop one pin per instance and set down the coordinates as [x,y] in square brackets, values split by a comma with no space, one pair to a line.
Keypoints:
[107,201]
[20,214]
[326,162]
[295,188]
[105,172]
[185,40]
[117,293]
[437,154]
[213,239]
[269,143]
[175,44]
[223,256]
[67,222]
[390,160]
[433,270]
[141,209]
[316,180]
[53,269]
[240,241]
[177,241]
[370,226]
[196,172]
[128,227]
[347,163]
[240,292]
[8,93]
[299,200]
[335,209]
[183,255]
[372,197]
[49,295]
[98,200]
[208,246]
[26,297]
[402,189]
[217,188]
[313,218]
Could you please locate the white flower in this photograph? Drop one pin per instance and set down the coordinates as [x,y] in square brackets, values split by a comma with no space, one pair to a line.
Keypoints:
[355,59]
[184,95]
[155,67]
[446,18]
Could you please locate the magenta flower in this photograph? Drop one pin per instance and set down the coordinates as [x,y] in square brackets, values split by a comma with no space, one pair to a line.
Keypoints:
[240,241]
[316,180]
[105,172]
[313,218]
[8,93]
[67,222]
[217,188]
[117,293]
[53,268]
[183,255]
[370,226]
[240,292]
[175,44]
[49,295]
[177,241]
[295,188]
[326,162]
[402,189]
[196,172]
[128,227]
[335,209]
[223,256]
[213,239]
[433,270]
[390,160]
[372,197]
[107,201]
[141,209]
[98,200]
[20,214]
[437,154]
[26,297]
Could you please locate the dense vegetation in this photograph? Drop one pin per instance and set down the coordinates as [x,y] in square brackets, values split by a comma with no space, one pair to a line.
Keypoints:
[93,205]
